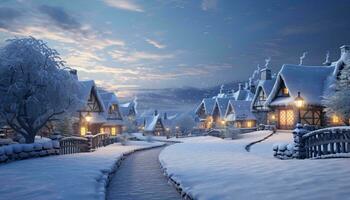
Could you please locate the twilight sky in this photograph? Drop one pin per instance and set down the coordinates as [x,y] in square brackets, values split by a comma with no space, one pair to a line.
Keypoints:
[134,44]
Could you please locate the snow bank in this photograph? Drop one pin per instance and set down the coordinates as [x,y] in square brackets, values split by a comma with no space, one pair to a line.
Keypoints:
[224,170]
[69,177]
[23,151]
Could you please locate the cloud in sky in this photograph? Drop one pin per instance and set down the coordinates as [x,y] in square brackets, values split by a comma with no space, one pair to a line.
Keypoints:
[60,17]
[128,5]
[208,4]
[155,43]
[133,57]
[8,16]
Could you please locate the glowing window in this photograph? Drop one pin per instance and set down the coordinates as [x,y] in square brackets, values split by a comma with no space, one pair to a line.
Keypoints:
[82,131]
[285,91]
[335,119]
[249,124]
[101,130]
[113,131]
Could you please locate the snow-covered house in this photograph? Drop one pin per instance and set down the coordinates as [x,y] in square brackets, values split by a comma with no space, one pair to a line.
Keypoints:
[154,125]
[263,90]
[98,112]
[211,111]
[114,119]
[238,114]
[313,83]
[204,112]
[129,109]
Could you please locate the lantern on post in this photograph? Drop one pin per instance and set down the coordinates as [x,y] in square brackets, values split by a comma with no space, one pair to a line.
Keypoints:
[299,102]
[88,118]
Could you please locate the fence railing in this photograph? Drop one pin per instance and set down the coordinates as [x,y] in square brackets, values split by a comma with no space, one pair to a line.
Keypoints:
[99,140]
[326,141]
[70,145]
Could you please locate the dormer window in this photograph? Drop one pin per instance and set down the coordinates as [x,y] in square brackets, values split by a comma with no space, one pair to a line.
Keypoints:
[283,91]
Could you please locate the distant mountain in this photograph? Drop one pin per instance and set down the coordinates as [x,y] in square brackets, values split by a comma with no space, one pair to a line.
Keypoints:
[175,100]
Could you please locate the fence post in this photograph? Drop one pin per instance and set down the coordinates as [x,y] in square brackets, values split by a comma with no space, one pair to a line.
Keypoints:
[299,144]
[90,144]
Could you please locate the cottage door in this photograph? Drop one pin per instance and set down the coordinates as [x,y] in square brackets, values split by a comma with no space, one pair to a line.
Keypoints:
[286,119]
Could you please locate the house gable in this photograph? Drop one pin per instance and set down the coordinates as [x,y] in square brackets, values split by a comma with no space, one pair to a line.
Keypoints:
[259,100]
[94,103]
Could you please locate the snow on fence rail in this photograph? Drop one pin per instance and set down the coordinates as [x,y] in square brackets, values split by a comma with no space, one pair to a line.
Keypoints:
[327,141]
[70,145]
[89,143]
[13,152]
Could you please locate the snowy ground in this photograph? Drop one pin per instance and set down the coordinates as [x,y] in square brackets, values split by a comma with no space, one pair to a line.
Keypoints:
[63,177]
[222,169]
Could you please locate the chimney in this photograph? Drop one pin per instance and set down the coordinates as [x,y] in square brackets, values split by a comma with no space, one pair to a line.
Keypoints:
[165,116]
[240,86]
[155,112]
[327,62]
[345,49]
[74,73]
[345,54]
[265,74]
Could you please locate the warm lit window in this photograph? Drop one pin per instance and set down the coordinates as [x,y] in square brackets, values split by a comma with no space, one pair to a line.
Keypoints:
[249,124]
[101,130]
[335,119]
[82,131]
[285,91]
[113,131]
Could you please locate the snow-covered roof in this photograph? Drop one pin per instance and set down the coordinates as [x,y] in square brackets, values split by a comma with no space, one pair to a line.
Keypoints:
[126,108]
[86,88]
[151,122]
[241,111]
[109,98]
[243,94]
[310,81]
[264,85]
[222,104]
[208,104]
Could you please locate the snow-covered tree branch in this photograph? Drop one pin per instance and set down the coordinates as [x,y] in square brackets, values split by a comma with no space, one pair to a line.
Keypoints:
[35,86]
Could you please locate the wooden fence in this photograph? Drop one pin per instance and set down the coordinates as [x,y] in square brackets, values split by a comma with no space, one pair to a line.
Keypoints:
[326,141]
[70,145]
[99,140]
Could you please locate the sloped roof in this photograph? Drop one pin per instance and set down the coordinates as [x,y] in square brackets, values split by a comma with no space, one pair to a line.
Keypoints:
[222,104]
[310,81]
[151,121]
[109,98]
[243,94]
[241,111]
[208,104]
[264,85]
[86,87]
[126,107]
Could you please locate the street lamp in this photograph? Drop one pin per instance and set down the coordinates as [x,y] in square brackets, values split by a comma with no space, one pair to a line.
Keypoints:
[88,118]
[299,102]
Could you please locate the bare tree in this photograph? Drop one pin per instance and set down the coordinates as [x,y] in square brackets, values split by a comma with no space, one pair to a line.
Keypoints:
[35,86]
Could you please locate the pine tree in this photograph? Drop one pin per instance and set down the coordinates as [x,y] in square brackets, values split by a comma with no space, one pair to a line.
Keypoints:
[338,102]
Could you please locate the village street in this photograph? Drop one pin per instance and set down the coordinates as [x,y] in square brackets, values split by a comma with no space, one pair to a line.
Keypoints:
[140,177]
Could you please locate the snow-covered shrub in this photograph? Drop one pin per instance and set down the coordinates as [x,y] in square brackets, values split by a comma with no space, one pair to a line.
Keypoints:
[149,138]
[24,151]
[35,86]
[124,139]
[185,123]
[283,151]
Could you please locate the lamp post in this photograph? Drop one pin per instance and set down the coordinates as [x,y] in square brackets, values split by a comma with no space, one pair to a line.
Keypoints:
[299,102]
[88,118]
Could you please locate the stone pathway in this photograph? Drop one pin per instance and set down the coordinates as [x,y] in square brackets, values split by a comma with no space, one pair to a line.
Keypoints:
[140,177]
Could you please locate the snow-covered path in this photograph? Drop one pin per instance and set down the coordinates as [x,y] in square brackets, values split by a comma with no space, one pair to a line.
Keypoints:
[213,169]
[140,177]
[68,177]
